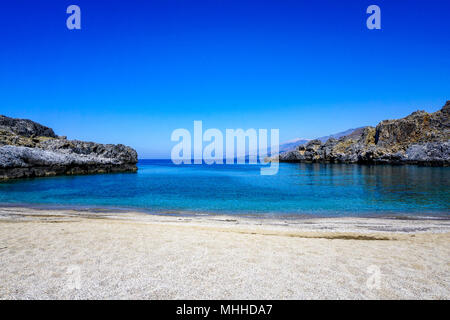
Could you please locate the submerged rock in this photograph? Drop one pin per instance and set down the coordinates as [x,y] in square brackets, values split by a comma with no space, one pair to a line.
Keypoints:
[420,138]
[28,149]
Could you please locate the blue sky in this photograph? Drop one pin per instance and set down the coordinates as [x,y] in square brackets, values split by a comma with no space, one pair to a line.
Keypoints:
[137,70]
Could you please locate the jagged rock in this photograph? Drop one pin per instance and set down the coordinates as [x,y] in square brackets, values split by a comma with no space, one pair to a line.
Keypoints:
[430,152]
[420,138]
[28,149]
[25,127]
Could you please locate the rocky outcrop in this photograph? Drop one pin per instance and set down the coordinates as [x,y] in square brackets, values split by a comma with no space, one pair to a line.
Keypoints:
[26,128]
[28,149]
[420,138]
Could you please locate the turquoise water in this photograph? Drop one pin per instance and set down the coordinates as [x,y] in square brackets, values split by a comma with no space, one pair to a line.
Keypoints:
[298,189]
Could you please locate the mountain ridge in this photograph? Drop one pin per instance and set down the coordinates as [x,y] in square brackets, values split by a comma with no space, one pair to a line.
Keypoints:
[292,144]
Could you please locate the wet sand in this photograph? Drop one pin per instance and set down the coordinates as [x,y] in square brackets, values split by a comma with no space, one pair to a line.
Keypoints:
[70,254]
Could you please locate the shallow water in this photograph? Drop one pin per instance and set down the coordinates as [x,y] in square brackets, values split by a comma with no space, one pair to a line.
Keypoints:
[298,190]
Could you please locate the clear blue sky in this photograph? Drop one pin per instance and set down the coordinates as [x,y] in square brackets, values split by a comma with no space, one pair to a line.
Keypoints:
[137,70]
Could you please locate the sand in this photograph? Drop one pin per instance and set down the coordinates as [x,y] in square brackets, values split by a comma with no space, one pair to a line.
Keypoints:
[68,254]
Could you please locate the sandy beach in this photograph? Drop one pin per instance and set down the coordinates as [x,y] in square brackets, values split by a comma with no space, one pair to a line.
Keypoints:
[69,254]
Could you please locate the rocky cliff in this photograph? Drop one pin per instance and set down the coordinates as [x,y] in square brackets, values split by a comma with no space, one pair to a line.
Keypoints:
[420,138]
[29,149]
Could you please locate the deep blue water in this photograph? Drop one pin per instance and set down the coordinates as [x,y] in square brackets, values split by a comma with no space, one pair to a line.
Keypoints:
[298,189]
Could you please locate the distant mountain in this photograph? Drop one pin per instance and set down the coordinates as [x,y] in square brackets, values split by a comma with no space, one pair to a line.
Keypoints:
[293,144]
[338,135]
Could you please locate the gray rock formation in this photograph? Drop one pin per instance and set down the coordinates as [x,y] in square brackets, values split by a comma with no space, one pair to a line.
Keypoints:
[28,149]
[23,127]
[420,138]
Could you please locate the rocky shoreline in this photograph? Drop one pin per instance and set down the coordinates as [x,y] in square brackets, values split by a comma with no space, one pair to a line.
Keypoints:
[421,138]
[29,149]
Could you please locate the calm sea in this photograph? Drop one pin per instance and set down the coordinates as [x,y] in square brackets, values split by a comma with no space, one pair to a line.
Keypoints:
[297,190]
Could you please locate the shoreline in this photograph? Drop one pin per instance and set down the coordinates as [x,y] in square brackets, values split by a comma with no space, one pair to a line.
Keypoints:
[321,227]
[133,255]
[390,225]
[441,216]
